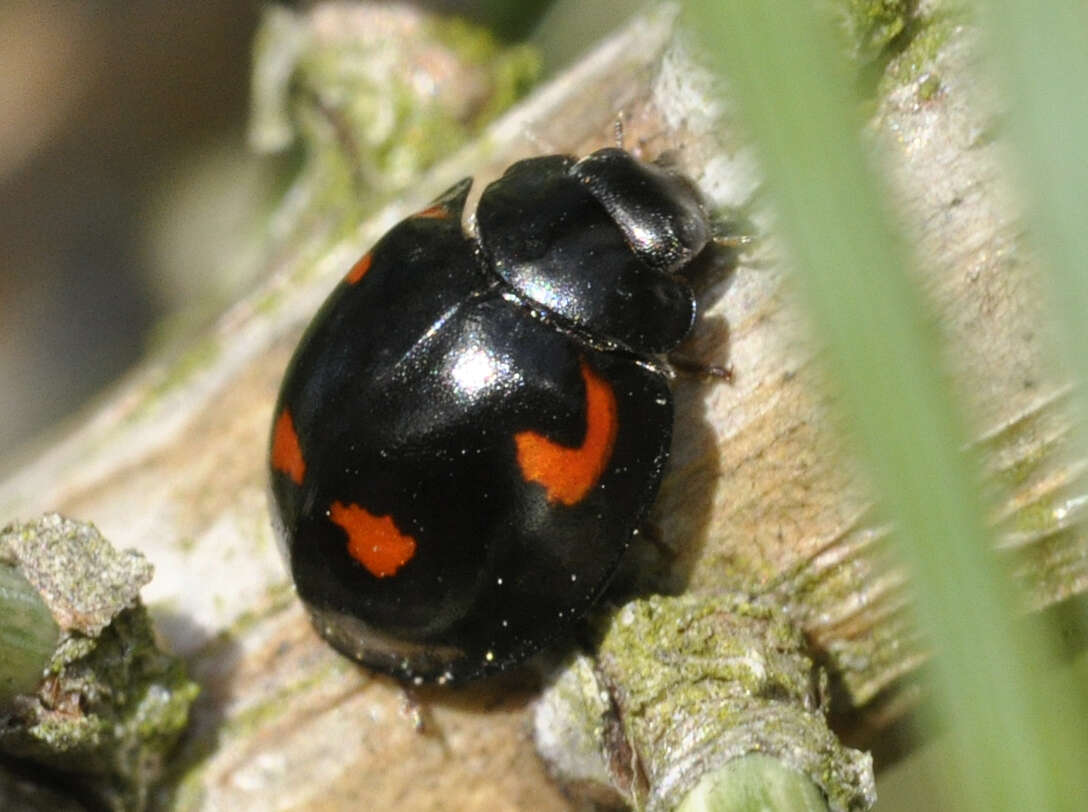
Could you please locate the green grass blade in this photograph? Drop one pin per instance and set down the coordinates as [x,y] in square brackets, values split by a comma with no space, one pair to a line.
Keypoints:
[1040,54]
[1015,751]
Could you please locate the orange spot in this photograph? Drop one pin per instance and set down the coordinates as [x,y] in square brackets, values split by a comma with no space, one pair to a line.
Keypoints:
[286,451]
[435,212]
[569,473]
[373,541]
[359,269]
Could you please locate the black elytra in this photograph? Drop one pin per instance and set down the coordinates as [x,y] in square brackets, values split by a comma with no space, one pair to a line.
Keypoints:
[472,428]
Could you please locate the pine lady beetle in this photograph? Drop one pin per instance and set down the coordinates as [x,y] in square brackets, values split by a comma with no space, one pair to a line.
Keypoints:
[473,426]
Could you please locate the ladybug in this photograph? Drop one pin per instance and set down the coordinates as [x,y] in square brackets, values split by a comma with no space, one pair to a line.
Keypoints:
[474,424]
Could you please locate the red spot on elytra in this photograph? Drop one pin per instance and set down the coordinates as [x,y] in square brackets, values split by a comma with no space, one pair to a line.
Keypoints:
[359,269]
[435,212]
[286,451]
[373,541]
[569,473]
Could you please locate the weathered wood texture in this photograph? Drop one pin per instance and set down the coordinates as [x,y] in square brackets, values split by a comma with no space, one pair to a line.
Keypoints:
[760,495]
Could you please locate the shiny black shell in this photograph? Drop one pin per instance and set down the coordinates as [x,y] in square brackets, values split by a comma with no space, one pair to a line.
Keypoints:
[471,429]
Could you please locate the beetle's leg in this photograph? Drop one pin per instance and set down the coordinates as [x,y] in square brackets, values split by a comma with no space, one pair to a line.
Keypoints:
[418,711]
[735,240]
[686,365]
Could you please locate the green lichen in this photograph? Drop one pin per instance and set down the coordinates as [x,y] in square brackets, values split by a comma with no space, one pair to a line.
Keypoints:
[1025,466]
[280,703]
[929,85]
[366,99]
[110,714]
[1048,551]
[921,43]
[382,98]
[644,632]
[277,597]
[179,371]
[78,573]
[699,681]
[269,302]
[110,705]
[872,25]
[893,43]
[513,69]
[187,770]
[1038,518]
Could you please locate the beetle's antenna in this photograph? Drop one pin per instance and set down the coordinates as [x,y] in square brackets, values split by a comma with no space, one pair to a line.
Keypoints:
[617,130]
[735,240]
[686,365]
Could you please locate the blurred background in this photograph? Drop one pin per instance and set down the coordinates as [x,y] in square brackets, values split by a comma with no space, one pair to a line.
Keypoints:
[103,107]
[125,179]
